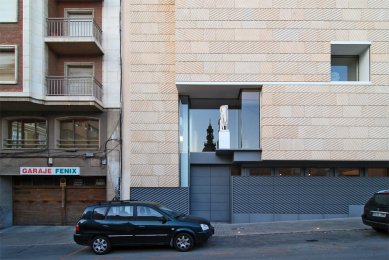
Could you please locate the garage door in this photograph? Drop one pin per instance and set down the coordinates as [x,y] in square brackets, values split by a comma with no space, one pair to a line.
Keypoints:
[44,205]
[210,192]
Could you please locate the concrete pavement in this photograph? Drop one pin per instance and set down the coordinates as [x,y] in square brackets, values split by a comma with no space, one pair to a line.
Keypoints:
[54,235]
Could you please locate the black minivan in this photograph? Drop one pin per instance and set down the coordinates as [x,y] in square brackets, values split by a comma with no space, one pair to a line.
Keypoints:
[376,211]
[107,224]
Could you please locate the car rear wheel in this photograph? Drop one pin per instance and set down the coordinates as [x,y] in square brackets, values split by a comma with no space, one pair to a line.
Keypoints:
[100,245]
[183,242]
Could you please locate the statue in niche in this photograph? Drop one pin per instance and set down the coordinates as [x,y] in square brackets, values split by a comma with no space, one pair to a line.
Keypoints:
[223,122]
[209,146]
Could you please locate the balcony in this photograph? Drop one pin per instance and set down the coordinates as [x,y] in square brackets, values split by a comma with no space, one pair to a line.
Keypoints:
[74,36]
[74,90]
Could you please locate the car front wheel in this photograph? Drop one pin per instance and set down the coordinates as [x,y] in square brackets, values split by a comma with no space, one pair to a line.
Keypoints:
[183,242]
[100,245]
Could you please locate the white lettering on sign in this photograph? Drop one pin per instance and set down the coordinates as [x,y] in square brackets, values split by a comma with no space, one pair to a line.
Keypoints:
[49,170]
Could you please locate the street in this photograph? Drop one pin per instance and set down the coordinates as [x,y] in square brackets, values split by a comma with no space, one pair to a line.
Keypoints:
[351,244]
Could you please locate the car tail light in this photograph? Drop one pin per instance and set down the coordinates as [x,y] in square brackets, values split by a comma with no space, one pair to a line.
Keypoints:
[77,228]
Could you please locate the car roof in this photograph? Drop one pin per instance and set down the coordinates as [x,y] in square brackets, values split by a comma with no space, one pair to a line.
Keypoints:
[382,192]
[125,202]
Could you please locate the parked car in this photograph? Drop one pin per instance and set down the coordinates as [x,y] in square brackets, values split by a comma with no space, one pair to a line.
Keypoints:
[376,211]
[108,224]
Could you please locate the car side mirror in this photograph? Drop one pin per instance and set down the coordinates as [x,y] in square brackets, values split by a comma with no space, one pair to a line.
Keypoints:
[163,219]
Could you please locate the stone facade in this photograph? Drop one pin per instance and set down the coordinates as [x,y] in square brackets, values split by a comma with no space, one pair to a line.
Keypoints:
[283,46]
[150,130]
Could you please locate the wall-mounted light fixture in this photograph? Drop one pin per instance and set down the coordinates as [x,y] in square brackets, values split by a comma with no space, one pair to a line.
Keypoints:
[49,161]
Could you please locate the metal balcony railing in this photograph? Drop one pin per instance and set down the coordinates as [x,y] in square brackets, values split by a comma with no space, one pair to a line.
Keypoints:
[24,143]
[78,143]
[79,27]
[73,86]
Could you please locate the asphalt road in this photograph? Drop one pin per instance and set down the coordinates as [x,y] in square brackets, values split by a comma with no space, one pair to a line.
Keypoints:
[355,244]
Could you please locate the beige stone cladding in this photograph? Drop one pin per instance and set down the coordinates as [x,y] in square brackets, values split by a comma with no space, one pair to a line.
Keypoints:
[325,122]
[275,40]
[150,99]
[289,41]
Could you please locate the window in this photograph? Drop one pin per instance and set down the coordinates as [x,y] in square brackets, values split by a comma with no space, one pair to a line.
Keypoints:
[26,133]
[377,172]
[79,22]
[350,61]
[204,114]
[201,119]
[259,171]
[143,211]
[79,78]
[288,172]
[120,212]
[315,172]
[8,11]
[99,213]
[348,172]
[250,119]
[8,61]
[79,133]
[344,68]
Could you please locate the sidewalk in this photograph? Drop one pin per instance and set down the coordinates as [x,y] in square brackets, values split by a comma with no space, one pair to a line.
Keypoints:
[50,235]
[282,227]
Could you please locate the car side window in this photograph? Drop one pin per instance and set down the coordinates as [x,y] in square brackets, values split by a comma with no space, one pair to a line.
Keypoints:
[145,212]
[99,213]
[120,213]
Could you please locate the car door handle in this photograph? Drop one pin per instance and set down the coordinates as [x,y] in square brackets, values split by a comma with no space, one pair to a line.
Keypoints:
[141,226]
[105,226]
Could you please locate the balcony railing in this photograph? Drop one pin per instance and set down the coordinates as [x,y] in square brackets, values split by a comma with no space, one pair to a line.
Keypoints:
[73,86]
[24,143]
[78,143]
[79,27]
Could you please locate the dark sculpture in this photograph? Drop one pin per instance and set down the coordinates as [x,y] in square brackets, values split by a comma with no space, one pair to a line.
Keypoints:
[209,146]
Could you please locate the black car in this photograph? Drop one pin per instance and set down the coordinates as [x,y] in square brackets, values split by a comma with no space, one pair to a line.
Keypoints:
[376,211]
[107,224]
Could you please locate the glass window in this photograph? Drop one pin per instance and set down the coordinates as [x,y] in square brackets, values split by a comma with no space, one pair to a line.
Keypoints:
[79,133]
[120,212]
[235,171]
[8,11]
[288,172]
[317,172]
[382,199]
[99,213]
[250,119]
[260,171]
[199,120]
[344,68]
[8,65]
[26,133]
[143,211]
[184,140]
[350,61]
[377,172]
[348,172]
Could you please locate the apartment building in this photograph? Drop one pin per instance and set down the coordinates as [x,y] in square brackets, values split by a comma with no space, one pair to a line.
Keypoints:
[306,83]
[59,108]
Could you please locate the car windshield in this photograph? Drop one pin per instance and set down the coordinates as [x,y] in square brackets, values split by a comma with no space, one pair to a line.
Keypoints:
[382,199]
[171,212]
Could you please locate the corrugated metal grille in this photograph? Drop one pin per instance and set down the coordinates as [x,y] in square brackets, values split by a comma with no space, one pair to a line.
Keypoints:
[302,195]
[174,198]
